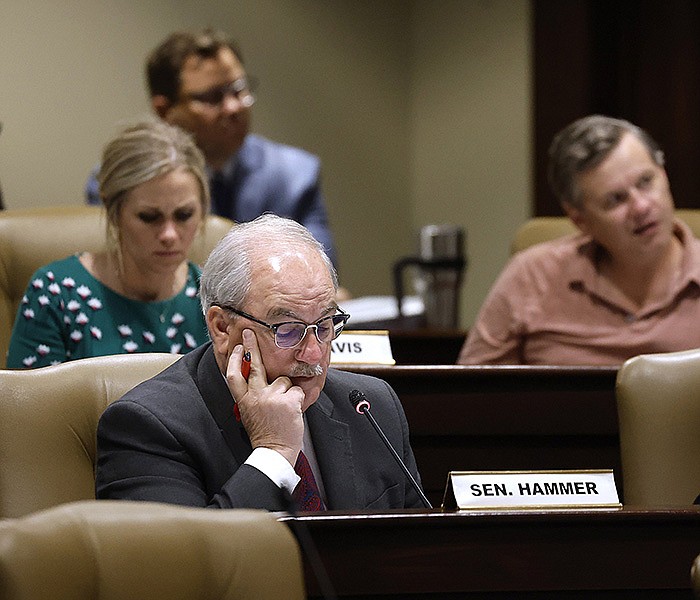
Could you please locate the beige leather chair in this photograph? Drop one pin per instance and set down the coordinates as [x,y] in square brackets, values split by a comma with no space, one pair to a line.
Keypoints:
[695,576]
[33,237]
[48,422]
[542,229]
[658,404]
[110,550]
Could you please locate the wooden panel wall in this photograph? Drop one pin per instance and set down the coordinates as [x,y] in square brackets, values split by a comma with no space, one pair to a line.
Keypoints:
[634,59]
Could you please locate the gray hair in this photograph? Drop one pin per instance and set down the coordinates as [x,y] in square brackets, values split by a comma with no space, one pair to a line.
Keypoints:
[142,151]
[583,145]
[226,276]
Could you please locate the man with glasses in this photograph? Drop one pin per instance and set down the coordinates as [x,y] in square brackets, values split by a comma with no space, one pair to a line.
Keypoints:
[626,283]
[197,81]
[256,415]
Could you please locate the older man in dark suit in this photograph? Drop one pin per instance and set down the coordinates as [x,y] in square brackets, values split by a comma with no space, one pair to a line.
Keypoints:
[213,431]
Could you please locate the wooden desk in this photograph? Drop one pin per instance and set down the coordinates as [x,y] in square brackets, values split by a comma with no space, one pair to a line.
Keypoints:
[579,554]
[426,346]
[506,417]
[422,346]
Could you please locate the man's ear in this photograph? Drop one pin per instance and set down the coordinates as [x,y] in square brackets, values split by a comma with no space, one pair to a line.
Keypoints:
[576,216]
[218,325]
[161,105]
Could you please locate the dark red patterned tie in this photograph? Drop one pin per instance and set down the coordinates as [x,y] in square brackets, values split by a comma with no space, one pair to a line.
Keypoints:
[306,493]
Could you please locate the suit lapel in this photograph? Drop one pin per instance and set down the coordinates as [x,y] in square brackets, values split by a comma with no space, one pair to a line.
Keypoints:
[218,400]
[333,449]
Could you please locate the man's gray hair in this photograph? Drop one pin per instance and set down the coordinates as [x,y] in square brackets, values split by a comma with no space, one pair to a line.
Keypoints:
[226,276]
[583,145]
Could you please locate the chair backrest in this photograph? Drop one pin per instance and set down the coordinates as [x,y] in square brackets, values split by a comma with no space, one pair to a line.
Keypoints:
[540,229]
[34,237]
[48,425]
[658,405]
[111,550]
[543,229]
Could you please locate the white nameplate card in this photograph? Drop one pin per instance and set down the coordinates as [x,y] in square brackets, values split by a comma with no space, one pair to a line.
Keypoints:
[531,489]
[370,347]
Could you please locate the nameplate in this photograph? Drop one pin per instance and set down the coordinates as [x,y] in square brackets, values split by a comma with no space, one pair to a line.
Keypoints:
[531,490]
[370,347]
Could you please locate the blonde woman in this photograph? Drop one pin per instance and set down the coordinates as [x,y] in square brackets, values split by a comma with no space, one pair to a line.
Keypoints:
[141,293]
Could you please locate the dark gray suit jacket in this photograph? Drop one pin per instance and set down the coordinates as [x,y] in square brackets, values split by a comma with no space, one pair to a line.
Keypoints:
[174,439]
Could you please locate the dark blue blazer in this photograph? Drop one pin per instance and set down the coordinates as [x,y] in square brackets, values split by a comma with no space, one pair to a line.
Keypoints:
[174,439]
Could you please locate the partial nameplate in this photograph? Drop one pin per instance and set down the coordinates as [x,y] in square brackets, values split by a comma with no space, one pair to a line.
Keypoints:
[370,347]
[593,488]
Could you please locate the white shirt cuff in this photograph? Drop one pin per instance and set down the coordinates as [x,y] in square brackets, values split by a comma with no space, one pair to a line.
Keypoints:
[275,466]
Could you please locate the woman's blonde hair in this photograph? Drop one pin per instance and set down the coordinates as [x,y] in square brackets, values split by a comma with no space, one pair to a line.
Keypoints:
[138,153]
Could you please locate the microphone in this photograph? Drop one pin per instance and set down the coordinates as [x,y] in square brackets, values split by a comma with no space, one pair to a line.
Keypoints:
[362,406]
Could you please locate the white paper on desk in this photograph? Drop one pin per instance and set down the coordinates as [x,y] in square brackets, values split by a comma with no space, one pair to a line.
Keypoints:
[381,308]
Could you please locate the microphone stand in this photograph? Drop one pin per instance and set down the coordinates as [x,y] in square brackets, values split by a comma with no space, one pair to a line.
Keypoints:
[364,408]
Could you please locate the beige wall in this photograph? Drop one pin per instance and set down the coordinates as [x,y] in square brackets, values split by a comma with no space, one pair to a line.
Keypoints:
[419,110]
[470,128]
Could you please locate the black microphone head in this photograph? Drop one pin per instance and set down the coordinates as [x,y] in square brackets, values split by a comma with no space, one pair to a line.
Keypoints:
[359,401]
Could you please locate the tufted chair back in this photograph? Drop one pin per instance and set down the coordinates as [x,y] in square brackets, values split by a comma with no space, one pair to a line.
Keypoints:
[111,550]
[542,229]
[34,237]
[48,425]
[658,405]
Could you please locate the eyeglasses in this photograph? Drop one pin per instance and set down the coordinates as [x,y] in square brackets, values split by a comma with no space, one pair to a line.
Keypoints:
[291,333]
[241,88]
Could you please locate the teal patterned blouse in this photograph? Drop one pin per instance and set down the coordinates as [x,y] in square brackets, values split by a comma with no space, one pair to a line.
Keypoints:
[67,314]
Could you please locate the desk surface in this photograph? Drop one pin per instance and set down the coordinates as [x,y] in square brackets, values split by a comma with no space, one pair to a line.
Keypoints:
[506,417]
[627,553]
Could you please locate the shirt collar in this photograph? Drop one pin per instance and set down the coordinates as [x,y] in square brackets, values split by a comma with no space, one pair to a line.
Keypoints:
[583,273]
[227,171]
